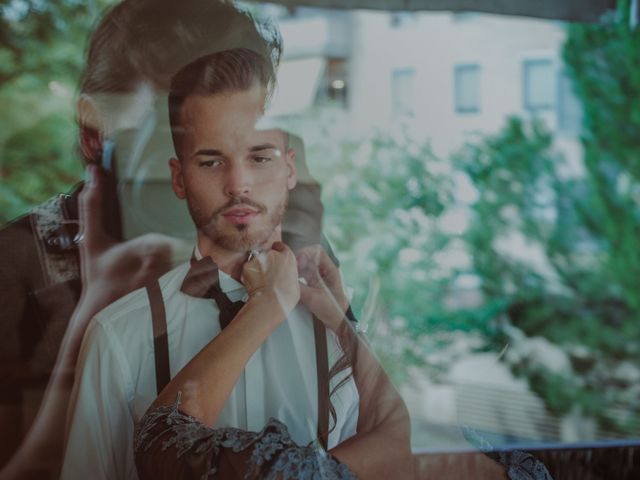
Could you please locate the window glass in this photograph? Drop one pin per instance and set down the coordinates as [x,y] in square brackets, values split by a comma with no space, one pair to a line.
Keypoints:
[479,187]
[402,91]
[539,86]
[467,88]
[569,108]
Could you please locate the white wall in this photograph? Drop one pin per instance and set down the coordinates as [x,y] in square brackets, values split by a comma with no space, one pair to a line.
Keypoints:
[433,45]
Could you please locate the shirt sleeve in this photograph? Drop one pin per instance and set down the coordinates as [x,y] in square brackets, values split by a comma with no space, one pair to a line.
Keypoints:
[170,444]
[100,426]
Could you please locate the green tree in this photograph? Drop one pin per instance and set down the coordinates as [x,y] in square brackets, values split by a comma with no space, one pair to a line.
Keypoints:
[566,295]
[580,298]
[41,57]
[604,62]
[382,198]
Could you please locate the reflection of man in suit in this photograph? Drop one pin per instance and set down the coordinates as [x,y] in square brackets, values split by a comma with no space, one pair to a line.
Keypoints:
[132,54]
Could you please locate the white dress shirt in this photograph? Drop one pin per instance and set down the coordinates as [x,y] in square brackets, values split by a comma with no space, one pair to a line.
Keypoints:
[116,382]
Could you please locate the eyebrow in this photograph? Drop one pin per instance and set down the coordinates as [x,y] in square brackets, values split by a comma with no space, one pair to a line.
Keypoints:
[211,152]
[264,146]
[208,152]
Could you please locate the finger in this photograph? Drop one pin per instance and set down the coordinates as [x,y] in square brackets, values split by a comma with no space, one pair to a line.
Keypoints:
[311,295]
[153,251]
[90,211]
[327,268]
[179,250]
[257,262]
[309,263]
[323,264]
[312,254]
[306,294]
[149,255]
[309,249]
[305,268]
[279,247]
[302,262]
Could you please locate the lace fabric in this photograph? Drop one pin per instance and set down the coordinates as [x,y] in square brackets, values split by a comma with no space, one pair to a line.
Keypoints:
[523,466]
[171,444]
[519,465]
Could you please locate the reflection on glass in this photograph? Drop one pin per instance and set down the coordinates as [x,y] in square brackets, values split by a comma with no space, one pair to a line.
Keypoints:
[469,240]
[480,189]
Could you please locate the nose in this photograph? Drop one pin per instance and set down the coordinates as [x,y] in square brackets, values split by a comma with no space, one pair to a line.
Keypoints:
[238,180]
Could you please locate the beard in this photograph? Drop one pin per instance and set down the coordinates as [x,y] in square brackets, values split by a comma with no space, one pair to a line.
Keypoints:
[244,237]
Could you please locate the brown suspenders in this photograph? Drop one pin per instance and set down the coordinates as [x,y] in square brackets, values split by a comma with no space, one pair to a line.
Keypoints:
[322,366]
[163,373]
[160,340]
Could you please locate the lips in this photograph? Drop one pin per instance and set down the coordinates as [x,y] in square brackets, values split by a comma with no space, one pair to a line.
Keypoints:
[239,216]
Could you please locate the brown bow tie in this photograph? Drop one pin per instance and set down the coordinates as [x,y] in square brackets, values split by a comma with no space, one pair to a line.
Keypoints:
[202,281]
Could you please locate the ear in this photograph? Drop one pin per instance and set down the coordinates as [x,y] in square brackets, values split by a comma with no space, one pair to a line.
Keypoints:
[292,176]
[177,180]
[92,128]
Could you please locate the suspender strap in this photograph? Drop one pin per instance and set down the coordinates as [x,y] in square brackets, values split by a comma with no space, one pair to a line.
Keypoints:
[322,365]
[160,341]
[163,373]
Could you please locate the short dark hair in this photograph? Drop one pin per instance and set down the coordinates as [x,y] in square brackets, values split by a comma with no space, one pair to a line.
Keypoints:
[233,70]
[150,40]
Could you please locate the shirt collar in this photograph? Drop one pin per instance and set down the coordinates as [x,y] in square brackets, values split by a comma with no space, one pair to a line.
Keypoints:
[230,286]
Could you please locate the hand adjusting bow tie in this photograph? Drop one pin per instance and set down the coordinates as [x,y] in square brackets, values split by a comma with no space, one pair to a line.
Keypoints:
[203,281]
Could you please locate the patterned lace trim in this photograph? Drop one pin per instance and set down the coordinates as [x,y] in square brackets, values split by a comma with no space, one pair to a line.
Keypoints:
[523,466]
[46,218]
[520,465]
[272,444]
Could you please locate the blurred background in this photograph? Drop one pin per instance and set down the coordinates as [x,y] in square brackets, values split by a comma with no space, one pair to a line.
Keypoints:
[481,185]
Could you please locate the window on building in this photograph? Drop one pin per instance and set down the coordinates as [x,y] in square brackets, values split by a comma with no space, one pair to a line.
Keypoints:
[538,88]
[459,17]
[402,19]
[334,83]
[402,91]
[569,109]
[467,88]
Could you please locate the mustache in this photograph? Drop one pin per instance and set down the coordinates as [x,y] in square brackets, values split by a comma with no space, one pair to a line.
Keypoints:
[235,201]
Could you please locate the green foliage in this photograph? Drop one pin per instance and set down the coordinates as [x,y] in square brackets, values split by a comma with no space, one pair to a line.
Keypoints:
[45,39]
[576,287]
[571,295]
[35,170]
[381,196]
[604,61]
[41,57]
[512,173]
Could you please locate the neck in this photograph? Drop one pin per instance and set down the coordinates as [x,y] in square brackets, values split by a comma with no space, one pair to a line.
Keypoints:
[231,262]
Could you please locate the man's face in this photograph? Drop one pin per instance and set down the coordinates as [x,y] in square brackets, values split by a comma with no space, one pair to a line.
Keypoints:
[236,179]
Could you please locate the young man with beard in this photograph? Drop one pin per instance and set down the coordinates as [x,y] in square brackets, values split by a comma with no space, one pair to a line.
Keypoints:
[46,273]
[242,350]
[131,56]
